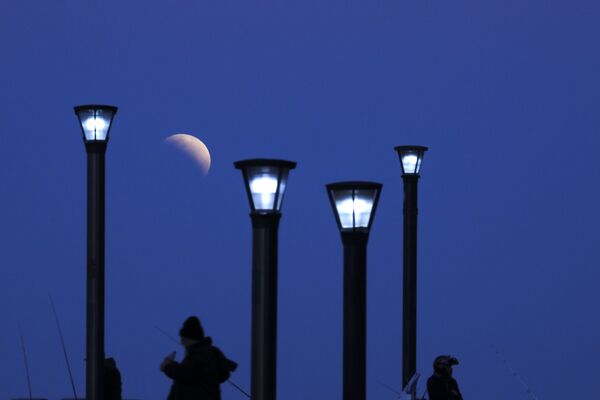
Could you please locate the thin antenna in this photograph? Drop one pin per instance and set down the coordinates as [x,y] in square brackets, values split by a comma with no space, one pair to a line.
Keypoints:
[514,373]
[228,380]
[26,364]
[64,348]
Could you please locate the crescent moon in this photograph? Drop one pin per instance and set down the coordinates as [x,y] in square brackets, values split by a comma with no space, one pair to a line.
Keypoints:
[193,147]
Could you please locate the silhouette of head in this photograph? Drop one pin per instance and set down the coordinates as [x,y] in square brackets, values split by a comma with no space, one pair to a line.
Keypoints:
[110,362]
[192,329]
[443,364]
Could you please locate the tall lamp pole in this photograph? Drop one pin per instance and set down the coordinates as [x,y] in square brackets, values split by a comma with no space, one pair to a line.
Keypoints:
[95,121]
[410,161]
[265,181]
[354,205]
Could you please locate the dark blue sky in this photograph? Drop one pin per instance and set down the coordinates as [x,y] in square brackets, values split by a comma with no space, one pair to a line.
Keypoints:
[505,94]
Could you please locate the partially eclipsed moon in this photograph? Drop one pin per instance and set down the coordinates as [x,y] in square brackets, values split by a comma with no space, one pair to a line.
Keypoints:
[193,147]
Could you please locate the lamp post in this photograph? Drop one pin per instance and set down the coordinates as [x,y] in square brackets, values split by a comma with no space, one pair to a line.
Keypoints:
[95,121]
[354,205]
[410,162]
[265,181]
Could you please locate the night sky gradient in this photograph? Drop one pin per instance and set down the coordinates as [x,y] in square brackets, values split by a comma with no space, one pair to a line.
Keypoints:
[504,93]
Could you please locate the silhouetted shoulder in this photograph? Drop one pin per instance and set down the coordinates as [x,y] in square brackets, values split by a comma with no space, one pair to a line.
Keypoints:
[224,365]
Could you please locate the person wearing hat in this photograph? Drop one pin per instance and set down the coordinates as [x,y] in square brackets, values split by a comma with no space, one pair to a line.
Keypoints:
[199,375]
[441,385]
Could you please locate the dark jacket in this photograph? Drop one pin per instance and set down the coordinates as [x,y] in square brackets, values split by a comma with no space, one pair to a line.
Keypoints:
[200,373]
[442,387]
[112,380]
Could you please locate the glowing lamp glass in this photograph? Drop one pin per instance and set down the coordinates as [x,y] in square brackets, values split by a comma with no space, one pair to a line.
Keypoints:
[354,213]
[263,187]
[266,182]
[354,207]
[95,125]
[411,158]
[411,164]
[95,121]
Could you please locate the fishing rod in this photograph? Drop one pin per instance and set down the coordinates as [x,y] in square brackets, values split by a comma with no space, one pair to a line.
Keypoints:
[514,373]
[228,380]
[25,358]
[64,348]
[167,335]
[390,388]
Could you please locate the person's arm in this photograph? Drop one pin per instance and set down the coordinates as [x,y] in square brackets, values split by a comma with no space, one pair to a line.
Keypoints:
[168,359]
[184,372]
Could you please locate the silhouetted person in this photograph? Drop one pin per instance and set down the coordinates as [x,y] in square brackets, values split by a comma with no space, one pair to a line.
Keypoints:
[112,380]
[199,375]
[441,385]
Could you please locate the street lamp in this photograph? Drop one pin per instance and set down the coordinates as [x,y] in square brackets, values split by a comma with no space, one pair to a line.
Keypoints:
[265,181]
[410,162]
[354,205]
[95,121]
